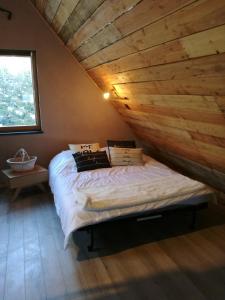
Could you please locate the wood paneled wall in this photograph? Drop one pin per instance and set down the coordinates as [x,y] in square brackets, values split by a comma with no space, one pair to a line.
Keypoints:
[163,61]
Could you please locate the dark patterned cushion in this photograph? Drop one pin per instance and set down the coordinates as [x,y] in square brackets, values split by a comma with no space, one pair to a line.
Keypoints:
[91,160]
[121,144]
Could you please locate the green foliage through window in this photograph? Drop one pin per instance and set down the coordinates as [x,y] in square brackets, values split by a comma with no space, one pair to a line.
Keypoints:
[17,98]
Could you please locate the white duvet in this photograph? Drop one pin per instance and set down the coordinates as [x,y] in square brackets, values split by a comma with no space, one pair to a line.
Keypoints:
[93,196]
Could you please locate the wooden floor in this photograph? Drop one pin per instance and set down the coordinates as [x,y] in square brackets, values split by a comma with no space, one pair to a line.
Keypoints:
[160,260]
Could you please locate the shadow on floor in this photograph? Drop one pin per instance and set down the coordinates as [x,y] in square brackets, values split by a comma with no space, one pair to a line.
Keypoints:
[30,196]
[183,284]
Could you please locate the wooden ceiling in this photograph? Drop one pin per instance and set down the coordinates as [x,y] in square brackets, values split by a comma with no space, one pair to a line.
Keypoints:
[164,62]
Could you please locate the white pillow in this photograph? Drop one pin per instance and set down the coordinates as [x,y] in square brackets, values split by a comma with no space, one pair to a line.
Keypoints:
[126,156]
[84,147]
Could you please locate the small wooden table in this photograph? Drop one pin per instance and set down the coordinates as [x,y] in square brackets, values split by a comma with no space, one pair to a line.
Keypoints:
[20,180]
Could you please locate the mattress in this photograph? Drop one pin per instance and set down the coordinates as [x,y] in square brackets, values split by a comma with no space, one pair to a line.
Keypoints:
[65,181]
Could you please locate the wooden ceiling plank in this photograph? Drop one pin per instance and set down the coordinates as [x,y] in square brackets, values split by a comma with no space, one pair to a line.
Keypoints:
[213,86]
[51,9]
[196,103]
[191,168]
[64,10]
[212,140]
[158,134]
[102,39]
[212,156]
[221,103]
[83,10]
[188,125]
[144,13]
[186,114]
[179,134]
[148,12]
[210,66]
[208,42]
[197,17]
[41,4]
[105,14]
[172,145]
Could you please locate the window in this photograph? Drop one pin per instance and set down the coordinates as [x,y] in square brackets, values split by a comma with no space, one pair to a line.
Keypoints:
[19,107]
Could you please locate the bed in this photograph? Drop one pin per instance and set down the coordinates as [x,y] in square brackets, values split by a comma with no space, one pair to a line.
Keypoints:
[92,197]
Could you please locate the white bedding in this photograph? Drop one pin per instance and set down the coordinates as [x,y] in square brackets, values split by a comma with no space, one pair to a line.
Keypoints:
[91,197]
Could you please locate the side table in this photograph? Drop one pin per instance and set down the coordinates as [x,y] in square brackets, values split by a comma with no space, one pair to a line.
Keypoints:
[19,180]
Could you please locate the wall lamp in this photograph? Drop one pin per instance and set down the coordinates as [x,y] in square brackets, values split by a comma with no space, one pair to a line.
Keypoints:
[106,96]
[6,11]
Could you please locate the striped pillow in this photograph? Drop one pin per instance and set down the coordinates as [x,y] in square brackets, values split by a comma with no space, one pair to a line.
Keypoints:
[126,156]
[91,160]
[121,144]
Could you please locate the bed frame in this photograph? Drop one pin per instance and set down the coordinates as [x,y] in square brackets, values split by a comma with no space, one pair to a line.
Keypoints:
[150,215]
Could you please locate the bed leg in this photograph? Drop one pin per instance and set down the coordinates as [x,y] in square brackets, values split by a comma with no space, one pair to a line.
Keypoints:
[193,221]
[91,245]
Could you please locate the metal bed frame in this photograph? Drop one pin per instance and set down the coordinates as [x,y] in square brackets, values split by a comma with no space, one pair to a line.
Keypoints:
[149,215]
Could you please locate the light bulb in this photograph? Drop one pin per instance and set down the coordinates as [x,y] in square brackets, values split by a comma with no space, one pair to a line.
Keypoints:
[106,95]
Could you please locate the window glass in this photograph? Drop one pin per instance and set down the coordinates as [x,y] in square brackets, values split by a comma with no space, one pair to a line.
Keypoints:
[18,95]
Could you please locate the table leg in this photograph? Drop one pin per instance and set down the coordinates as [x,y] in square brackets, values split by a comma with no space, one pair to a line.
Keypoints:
[15,194]
[41,187]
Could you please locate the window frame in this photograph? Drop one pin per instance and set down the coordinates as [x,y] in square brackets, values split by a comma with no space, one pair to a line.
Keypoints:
[10,130]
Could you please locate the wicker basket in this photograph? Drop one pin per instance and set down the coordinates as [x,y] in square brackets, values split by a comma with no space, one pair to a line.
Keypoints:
[22,162]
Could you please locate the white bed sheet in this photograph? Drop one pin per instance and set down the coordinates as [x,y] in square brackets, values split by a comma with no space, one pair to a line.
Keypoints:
[63,179]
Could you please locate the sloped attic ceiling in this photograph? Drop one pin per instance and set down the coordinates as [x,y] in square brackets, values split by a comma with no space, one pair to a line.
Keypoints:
[167,57]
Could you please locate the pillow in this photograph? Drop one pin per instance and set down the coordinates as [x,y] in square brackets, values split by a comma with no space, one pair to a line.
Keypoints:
[84,147]
[106,149]
[126,156]
[121,144]
[91,160]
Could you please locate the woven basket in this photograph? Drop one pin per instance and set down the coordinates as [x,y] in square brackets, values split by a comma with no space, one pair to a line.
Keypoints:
[22,162]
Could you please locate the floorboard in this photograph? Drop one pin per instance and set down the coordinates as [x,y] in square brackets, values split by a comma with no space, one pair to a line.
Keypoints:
[151,260]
